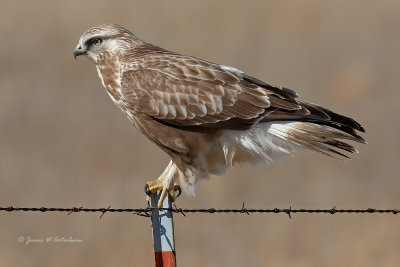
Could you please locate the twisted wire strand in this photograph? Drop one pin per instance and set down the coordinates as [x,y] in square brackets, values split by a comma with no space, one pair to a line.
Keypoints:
[243,210]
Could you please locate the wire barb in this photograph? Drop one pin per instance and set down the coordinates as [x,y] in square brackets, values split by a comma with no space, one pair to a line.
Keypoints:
[75,209]
[289,211]
[333,210]
[179,210]
[244,210]
[104,211]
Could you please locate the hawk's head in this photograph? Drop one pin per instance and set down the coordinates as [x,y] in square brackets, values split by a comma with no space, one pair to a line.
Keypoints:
[105,39]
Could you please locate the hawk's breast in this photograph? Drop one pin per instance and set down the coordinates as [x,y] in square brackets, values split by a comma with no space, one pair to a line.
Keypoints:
[110,77]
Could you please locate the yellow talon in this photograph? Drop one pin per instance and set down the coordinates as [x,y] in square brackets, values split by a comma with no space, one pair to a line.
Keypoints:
[153,187]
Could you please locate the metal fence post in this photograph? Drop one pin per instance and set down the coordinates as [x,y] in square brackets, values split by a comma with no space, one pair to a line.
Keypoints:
[163,233]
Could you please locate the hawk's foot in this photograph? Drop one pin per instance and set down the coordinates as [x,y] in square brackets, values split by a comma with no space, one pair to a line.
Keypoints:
[153,186]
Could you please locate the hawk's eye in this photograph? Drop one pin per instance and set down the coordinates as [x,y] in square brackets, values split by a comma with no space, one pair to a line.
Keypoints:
[97,41]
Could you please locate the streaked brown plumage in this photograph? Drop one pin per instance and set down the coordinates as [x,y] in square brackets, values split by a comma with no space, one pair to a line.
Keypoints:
[207,116]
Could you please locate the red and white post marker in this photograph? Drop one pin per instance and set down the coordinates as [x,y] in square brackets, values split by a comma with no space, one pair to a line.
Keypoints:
[163,233]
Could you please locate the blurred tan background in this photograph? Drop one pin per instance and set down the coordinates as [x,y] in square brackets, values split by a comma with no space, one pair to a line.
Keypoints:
[63,143]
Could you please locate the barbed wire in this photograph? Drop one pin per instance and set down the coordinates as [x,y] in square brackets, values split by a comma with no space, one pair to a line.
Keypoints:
[146,212]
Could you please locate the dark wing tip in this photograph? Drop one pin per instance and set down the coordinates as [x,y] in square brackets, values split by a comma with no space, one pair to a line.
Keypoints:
[290,92]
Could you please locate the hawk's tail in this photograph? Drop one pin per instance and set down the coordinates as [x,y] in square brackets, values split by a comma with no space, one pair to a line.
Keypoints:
[321,137]
[270,141]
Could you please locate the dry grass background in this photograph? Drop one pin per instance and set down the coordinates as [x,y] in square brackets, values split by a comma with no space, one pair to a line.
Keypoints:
[63,143]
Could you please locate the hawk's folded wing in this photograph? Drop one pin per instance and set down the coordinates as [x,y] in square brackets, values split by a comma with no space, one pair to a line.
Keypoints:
[186,92]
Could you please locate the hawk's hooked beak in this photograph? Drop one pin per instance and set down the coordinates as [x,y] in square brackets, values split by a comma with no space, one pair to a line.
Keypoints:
[79,51]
